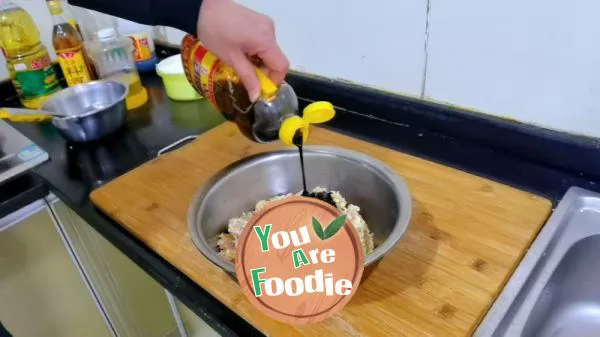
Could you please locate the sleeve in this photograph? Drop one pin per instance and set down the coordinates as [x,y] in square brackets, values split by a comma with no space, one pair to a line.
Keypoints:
[181,14]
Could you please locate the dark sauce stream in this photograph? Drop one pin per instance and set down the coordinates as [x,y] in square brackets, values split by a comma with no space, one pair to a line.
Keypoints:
[324,196]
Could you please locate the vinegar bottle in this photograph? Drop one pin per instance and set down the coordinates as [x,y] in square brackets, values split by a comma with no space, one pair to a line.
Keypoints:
[73,22]
[70,18]
[68,44]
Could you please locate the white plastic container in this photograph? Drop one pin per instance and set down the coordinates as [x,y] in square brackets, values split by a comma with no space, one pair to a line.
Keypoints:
[176,84]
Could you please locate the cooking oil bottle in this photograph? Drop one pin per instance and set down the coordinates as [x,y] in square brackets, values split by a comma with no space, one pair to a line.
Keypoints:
[68,44]
[27,59]
[274,116]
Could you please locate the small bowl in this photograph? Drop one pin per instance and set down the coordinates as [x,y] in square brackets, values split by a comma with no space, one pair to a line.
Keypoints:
[94,109]
[380,193]
[176,84]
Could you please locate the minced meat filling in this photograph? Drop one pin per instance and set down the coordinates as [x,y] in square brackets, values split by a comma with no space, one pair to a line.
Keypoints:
[227,242]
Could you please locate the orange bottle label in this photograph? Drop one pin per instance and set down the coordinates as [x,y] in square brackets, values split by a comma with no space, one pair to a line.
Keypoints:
[141,47]
[72,62]
[200,66]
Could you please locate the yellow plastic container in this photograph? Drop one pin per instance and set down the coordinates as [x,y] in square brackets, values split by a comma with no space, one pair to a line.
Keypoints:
[176,84]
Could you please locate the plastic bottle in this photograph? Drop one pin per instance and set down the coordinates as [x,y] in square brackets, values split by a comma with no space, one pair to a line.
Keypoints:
[274,116]
[27,59]
[68,44]
[143,44]
[113,58]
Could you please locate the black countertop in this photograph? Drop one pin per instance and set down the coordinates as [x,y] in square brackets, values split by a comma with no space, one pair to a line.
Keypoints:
[403,124]
[74,170]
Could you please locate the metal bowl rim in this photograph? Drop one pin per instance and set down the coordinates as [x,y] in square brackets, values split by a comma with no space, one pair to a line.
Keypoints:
[397,183]
[78,88]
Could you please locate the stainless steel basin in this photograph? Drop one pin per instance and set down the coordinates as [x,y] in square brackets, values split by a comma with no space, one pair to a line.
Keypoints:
[381,194]
[555,291]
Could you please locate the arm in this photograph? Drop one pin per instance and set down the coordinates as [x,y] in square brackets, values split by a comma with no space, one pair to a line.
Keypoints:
[230,30]
[181,14]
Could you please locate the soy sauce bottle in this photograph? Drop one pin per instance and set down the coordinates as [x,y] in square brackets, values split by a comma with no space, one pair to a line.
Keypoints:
[274,116]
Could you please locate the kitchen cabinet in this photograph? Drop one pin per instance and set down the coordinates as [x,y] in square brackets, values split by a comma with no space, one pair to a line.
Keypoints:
[59,277]
[135,305]
[41,290]
[194,326]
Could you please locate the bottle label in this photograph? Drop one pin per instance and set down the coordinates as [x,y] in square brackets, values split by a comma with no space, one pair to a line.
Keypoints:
[141,47]
[201,68]
[36,79]
[72,63]
[208,68]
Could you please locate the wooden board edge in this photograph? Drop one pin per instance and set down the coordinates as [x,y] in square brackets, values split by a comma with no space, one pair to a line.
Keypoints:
[95,191]
[544,220]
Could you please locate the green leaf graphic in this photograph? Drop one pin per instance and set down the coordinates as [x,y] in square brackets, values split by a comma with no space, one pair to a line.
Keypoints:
[334,226]
[318,229]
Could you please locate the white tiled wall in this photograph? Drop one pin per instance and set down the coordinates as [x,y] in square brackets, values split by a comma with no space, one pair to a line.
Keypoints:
[534,61]
[378,43]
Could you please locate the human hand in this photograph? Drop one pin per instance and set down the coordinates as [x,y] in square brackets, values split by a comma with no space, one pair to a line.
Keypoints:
[234,33]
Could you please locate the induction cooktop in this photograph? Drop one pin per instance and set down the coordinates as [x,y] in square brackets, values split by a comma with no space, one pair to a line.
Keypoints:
[18,154]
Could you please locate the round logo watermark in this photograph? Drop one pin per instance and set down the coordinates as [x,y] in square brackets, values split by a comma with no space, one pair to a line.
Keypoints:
[299,260]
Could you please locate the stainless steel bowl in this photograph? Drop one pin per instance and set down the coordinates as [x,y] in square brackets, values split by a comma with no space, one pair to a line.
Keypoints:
[381,194]
[94,109]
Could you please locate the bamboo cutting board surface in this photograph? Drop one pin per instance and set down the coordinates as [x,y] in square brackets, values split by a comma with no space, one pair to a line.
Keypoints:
[466,236]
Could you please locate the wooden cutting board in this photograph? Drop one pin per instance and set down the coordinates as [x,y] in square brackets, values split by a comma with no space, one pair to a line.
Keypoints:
[466,236]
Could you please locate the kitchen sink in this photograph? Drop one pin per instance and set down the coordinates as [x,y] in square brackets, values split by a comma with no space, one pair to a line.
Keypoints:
[555,290]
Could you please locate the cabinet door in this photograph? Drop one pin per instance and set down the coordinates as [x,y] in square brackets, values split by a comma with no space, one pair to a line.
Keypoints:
[194,325]
[41,290]
[136,305]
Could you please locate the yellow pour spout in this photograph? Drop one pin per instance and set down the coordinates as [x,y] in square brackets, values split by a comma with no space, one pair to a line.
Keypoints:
[314,113]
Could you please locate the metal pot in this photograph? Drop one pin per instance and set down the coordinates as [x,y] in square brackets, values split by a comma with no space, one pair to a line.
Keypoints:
[95,109]
[381,194]
[82,113]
